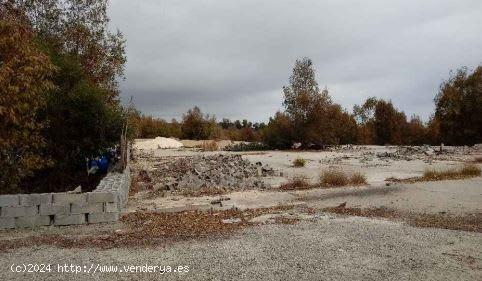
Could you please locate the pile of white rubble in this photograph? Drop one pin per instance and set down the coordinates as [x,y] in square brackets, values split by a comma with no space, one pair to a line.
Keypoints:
[157,143]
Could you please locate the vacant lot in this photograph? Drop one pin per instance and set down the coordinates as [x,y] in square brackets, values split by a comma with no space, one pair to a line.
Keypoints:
[223,215]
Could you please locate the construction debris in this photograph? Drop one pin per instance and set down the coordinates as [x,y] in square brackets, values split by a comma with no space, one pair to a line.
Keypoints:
[218,172]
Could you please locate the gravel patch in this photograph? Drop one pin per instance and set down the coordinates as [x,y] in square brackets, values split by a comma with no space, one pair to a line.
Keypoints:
[326,248]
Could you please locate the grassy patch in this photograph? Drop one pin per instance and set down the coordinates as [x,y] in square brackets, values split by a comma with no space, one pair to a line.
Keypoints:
[467,171]
[358,179]
[336,178]
[296,183]
[299,162]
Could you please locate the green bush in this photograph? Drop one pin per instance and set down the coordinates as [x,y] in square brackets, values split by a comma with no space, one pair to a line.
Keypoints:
[299,162]
[247,146]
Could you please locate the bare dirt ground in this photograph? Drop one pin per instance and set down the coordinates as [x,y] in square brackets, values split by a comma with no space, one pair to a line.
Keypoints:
[379,231]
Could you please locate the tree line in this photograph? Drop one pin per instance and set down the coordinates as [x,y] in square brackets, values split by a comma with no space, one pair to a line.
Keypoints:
[313,120]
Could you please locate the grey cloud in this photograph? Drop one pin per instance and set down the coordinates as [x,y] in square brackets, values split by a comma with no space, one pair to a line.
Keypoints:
[232,57]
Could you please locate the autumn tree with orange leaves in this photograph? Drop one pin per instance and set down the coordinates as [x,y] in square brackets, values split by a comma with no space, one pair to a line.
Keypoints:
[24,81]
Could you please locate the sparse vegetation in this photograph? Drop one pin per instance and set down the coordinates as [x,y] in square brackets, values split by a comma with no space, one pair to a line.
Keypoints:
[209,146]
[467,171]
[299,162]
[333,178]
[358,179]
[471,222]
[247,146]
[336,178]
[298,182]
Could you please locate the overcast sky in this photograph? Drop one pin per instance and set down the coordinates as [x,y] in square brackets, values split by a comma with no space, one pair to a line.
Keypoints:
[232,58]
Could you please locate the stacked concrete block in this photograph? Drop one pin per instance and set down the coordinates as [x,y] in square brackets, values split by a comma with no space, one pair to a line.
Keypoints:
[104,204]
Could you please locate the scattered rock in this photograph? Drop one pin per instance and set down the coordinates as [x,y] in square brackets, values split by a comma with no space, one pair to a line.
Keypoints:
[232,220]
[229,172]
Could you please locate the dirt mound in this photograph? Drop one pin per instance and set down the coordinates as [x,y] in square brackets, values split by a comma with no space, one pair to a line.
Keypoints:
[157,143]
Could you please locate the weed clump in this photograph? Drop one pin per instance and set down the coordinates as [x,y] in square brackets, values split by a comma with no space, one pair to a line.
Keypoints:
[467,171]
[336,178]
[296,183]
[299,162]
[358,179]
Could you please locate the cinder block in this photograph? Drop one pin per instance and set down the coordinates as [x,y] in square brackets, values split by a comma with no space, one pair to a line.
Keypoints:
[12,212]
[35,199]
[103,217]
[101,197]
[54,209]
[32,221]
[9,200]
[87,208]
[78,198]
[111,207]
[69,219]
[6,223]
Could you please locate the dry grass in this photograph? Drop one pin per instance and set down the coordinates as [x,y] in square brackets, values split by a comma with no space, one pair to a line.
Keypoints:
[470,222]
[358,179]
[337,178]
[209,146]
[296,183]
[333,178]
[467,171]
[478,159]
[143,229]
[299,162]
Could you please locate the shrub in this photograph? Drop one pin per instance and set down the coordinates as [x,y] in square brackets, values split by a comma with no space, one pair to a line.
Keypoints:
[335,178]
[279,132]
[209,146]
[246,146]
[467,171]
[298,182]
[358,179]
[470,170]
[299,162]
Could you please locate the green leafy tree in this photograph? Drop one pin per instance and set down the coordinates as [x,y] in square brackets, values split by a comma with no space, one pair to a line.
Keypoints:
[279,132]
[80,27]
[389,123]
[195,125]
[81,123]
[316,119]
[458,108]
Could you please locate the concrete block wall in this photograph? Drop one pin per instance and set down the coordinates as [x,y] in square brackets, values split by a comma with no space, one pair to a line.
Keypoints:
[101,205]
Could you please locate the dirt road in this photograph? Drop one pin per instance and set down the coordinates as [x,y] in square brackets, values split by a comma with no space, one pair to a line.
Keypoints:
[325,248]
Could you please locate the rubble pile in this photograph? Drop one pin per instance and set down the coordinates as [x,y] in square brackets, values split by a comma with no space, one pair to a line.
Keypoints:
[428,153]
[229,172]
[408,153]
